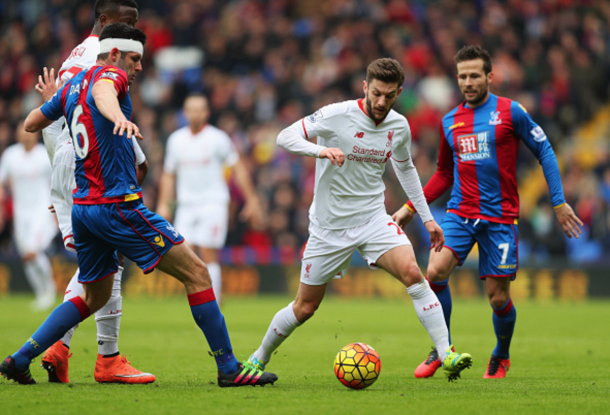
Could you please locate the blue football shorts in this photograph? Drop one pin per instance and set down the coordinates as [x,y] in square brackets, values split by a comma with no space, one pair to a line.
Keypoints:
[498,244]
[128,227]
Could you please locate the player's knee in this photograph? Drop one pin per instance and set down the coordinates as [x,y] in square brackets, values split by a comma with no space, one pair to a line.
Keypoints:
[95,301]
[436,273]
[411,274]
[305,310]
[199,274]
[498,299]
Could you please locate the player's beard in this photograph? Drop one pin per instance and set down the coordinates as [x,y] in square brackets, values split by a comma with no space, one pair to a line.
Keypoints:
[369,108]
[479,98]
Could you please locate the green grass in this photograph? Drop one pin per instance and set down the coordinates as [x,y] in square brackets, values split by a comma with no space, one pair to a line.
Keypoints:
[558,365]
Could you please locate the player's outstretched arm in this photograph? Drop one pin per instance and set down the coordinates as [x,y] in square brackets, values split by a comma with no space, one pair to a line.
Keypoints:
[569,221]
[403,216]
[437,238]
[106,100]
[36,121]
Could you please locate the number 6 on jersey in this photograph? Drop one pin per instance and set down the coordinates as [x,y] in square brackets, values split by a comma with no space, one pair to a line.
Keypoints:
[79,128]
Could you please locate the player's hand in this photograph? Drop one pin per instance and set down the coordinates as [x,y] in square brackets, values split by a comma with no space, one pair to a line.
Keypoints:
[569,221]
[51,209]
[130,128]
[254,214]
[403,216]
[437,238]
[335,155]
[46,84]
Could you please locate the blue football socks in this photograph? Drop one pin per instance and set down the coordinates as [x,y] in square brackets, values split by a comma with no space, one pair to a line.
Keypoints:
[504,324]
[210,320]
[62,319]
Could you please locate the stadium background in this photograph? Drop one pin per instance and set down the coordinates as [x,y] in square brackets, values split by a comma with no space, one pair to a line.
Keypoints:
[265,64]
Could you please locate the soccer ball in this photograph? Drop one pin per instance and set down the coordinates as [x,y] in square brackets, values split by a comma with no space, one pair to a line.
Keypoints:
[357,365]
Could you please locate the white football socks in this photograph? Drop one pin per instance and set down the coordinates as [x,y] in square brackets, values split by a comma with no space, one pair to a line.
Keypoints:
[108,319]
[283,324]
[40,276]
[430,313]
[216,277]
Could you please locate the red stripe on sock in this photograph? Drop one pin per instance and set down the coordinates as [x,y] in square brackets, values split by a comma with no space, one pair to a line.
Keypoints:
[504,310]
[437,288]
[83,309]
[201,297]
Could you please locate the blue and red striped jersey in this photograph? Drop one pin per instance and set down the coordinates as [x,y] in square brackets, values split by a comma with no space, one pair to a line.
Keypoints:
[105,163]
[478,156]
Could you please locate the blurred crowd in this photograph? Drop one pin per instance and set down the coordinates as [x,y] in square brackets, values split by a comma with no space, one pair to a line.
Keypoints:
[264,64]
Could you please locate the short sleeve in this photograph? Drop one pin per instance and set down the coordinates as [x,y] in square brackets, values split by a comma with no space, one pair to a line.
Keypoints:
[53,109]
[115,76]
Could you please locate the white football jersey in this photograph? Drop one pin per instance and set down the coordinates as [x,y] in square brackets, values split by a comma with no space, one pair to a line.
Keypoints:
[351,195]
[29,175]
[84,56]
[198,161]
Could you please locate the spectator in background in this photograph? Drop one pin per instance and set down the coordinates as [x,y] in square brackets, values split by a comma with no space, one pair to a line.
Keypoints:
[24,167]
[266,63]
[194,170]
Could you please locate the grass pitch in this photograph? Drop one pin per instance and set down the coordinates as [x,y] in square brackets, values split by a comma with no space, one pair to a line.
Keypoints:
[558,365]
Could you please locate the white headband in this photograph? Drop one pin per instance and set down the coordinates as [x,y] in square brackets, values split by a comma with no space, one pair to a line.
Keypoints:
[124,45]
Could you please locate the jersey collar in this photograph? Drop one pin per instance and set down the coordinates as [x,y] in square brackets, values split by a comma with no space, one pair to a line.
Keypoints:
[361,105]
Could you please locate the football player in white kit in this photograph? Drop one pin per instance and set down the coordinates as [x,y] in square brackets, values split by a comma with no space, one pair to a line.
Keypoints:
[110,367]
[195,158]
[25,169]
[355,141]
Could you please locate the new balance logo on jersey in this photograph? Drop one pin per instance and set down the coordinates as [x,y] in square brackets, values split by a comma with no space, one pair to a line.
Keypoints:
[159,241]
[495,118]
[359,134]
[474,146]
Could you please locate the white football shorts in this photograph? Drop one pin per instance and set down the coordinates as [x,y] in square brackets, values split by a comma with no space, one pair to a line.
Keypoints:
[34,231]
[328,252]
[62,185]
[204,225]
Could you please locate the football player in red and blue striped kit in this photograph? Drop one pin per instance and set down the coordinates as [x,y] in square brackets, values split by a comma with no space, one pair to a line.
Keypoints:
[109,215]
[479,143]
